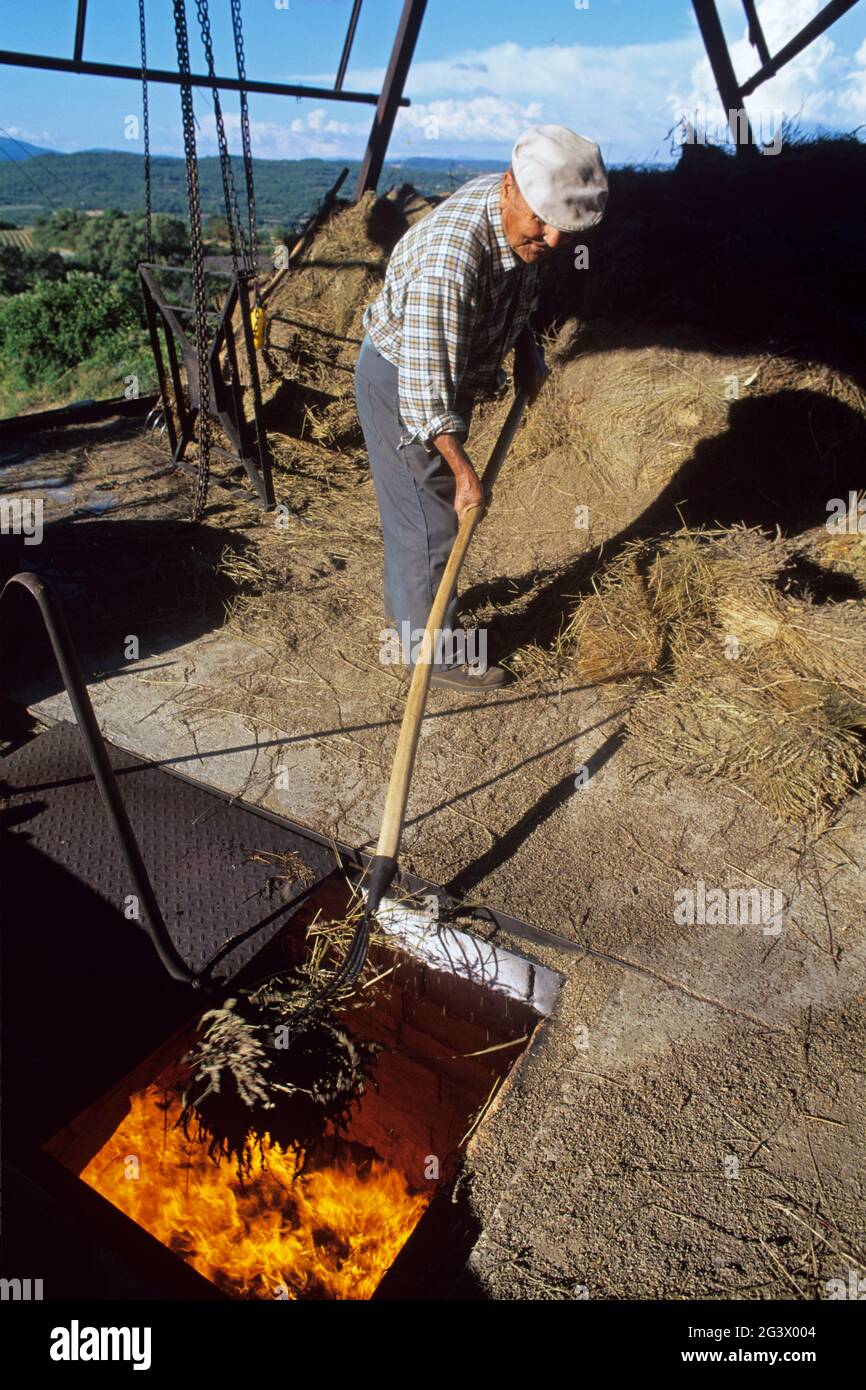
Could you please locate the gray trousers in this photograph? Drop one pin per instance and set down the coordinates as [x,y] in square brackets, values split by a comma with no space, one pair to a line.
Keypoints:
[415,492]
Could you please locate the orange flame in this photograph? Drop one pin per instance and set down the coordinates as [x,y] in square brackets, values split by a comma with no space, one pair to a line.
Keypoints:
[328,1234]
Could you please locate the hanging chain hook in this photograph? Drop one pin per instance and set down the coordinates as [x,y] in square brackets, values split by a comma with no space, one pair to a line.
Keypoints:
[197,256]
[148,198]
[237,26]
[230,197]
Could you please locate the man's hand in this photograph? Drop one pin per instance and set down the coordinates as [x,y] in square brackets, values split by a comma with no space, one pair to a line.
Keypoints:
[468,491]
[530,369]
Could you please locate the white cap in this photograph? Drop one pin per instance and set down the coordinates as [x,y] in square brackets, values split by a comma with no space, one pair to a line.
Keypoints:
[562,177]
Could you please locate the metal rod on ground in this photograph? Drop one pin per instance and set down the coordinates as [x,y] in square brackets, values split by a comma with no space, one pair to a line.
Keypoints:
[64,652]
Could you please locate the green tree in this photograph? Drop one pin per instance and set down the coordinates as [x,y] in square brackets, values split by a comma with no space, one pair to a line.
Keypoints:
[48,330]
[61,230]
[114,242]
[217,227]
[21,270]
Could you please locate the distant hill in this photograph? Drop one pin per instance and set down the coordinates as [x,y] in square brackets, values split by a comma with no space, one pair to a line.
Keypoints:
[287,190]
[478,166]
[19,149]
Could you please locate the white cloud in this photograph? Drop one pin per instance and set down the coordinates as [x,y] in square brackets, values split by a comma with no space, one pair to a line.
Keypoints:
[814,86]
[627,97]
[484,97]
[313,135]
[33,137]
[483,118]
[853,99]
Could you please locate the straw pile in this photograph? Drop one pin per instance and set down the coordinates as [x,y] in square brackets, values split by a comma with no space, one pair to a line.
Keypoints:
[614,632]
[844,549]
[670,403]
[314,325]
[847,551]
[651,592]
[725,283]
[741,681]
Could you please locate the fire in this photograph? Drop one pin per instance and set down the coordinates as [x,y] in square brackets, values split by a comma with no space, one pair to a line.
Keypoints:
[328,1234]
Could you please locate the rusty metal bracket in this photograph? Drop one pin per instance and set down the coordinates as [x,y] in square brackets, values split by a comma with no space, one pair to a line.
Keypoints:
[248,437]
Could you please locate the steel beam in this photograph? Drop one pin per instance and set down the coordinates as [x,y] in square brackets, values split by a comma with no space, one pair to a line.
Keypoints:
[391,96]
[723,71]
[347,46]
[811,31]
[175,79]
[80,20]
[756,33]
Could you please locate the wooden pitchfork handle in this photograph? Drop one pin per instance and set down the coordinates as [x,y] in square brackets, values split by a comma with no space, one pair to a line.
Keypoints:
[384,862]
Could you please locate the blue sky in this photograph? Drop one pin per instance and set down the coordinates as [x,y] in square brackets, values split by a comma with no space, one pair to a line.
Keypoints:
[622,71]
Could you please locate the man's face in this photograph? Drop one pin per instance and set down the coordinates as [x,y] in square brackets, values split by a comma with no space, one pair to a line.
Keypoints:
[529,238]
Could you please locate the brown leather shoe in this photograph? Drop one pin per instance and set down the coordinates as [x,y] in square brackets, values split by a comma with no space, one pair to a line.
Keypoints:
[470,678]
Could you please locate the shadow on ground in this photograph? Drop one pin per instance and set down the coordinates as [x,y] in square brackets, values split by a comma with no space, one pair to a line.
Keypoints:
[156,580]
[777,464]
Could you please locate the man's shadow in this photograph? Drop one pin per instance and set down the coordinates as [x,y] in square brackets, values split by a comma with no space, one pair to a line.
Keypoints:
[779,462]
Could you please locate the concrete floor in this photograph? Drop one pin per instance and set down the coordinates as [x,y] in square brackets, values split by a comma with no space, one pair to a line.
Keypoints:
[689,1123]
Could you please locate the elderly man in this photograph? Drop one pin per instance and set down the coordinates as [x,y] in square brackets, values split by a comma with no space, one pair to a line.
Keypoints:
[458,293]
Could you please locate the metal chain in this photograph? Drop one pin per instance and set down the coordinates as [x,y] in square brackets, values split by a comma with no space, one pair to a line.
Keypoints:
[233,213]
[246,143]
[148,200]
[197,250]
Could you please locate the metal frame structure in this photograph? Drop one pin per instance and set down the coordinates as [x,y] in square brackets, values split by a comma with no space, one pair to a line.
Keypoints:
[731,91]
[153,920]
[248,437]
[387,102]
[355,863]
[390,97]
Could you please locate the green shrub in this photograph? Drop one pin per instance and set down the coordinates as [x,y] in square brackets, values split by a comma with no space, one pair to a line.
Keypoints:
[48,330]
[114,243]
[21,269]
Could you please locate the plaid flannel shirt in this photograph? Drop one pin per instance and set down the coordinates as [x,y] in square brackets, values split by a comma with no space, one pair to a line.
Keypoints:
[454,300]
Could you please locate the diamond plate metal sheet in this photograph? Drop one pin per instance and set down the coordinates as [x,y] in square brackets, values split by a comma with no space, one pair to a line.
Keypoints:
[198,847]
